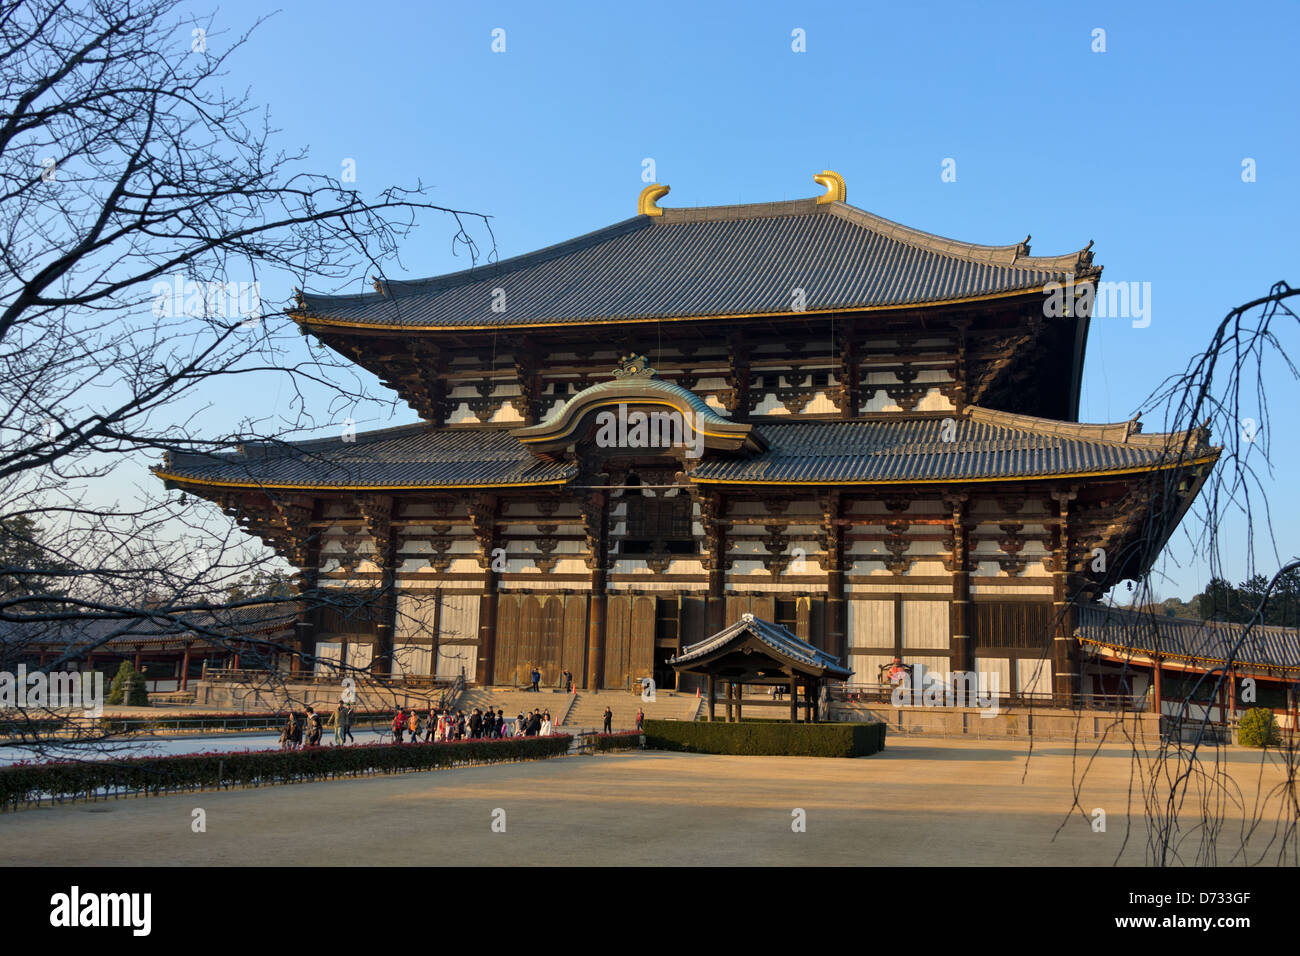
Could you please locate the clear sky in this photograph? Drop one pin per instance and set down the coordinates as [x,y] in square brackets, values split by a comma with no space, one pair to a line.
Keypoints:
[1139,148]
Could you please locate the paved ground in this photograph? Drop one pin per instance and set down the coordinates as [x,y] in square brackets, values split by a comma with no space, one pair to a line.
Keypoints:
[921,801]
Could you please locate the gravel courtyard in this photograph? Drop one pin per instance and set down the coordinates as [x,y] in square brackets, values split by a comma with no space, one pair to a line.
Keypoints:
[922,801]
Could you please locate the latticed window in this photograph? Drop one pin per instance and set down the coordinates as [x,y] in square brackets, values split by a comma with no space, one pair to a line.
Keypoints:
[658,525]
[659,518]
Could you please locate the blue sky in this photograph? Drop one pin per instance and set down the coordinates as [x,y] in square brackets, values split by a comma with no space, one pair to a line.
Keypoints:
[1139,148]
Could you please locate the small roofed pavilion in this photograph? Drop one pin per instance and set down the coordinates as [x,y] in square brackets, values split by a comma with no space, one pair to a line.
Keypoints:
[757,652]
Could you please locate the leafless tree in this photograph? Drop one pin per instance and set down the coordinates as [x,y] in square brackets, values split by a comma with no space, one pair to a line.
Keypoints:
[127,175]
[1187,782]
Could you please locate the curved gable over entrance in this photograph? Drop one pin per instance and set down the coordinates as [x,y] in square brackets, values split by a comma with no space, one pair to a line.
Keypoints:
[635,411]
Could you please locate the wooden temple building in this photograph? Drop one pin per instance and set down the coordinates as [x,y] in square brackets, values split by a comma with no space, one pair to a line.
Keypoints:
[880,453]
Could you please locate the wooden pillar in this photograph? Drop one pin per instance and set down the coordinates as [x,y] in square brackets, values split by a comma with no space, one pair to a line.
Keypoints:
[962,654]
[138,653]
[483,510]
[596,526]
[794,700]
[488,602]
[712,699]
[836,623]
[1065,647]
[185,667]
[740,695]
[712,520]
[1231,681]
[377,512]
[304,628]
[1155,685]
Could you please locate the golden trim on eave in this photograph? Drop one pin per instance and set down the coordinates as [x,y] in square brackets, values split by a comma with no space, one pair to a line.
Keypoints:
[303,319]
[290,486]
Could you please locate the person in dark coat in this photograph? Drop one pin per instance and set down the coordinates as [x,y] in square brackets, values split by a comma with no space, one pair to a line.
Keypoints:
[609,719]
[476,724]
[536,676]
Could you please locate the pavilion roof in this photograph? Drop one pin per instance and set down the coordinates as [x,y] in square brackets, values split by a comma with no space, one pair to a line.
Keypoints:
[784,646]
[706,262]
[119,631]
[1208,644]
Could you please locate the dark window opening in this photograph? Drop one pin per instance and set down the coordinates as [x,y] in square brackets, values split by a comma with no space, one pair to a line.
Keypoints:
[820,379]
[787,615]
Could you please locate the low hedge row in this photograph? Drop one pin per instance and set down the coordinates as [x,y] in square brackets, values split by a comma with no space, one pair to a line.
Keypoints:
[770,739]
[628,740]
[26,784]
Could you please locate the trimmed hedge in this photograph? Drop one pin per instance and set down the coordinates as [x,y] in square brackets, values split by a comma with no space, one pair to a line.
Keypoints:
[628,740]
[770,739]
[25,784]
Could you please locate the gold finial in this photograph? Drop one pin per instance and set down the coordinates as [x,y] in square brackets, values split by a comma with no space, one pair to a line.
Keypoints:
[634,366]
[836,191]
[645,203]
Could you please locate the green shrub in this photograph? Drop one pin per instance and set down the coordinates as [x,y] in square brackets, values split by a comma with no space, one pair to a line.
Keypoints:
[121,682]
[1258,728]
[779,739]
[138,695]
[30,783]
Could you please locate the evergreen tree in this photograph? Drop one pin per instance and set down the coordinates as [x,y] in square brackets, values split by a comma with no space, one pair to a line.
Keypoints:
[121,684]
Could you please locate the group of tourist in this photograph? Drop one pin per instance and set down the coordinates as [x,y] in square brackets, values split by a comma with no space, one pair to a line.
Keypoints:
[439,726]
[306,729]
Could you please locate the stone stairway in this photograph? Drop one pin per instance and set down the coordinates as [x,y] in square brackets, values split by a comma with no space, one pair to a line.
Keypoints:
[512,700]
[588,709]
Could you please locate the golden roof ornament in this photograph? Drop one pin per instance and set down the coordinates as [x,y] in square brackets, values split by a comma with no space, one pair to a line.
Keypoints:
[836,191]
[634,366]
[645,203]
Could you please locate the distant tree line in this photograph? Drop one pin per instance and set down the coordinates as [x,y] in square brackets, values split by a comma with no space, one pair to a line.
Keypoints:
[1222,601]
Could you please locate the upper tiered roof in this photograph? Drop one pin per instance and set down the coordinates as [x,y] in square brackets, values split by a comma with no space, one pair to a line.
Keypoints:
[707,262]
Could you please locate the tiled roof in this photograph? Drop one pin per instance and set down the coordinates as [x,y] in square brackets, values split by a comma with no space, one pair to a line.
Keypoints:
[1208,643]
[711,261]
[143,627]
[409,456]
[984,445]
[774,636]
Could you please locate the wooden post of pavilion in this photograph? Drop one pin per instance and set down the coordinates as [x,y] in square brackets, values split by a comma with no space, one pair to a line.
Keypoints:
[1155,685]
[794,699]
[740,693]
[185,667]
[712,700]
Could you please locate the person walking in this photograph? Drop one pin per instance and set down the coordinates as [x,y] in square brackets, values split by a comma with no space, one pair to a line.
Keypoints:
[413,724]
[335,723]
[609,719]
[314,729]
[399,725]
[345,724]
[537,677]
[286,735]
[295,737]
[640,719]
